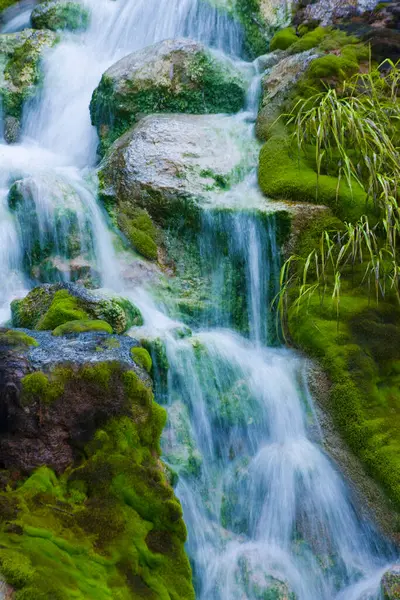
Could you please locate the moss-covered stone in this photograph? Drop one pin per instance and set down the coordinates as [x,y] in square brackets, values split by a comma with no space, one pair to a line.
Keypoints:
[109,525]
[60,14]
[16,339]
[20,56]
[82,326]
[171,76]
[48,306]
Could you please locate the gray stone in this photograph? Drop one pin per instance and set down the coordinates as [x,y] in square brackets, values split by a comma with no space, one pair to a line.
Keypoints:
[172,164]
[391,583]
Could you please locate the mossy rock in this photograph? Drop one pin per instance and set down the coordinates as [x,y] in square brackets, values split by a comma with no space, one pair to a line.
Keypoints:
[284,174]
[108,523]
[6,4]
[16,339]
[142,358]
[21,54]
[171,76]
[48,306]
[59,14]
[73,327]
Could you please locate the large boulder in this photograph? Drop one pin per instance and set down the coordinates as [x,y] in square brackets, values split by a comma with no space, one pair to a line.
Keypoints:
[20,73]
[326,12]
[47,307]
[391,584]
[169,165]
[83,492]
[171,76]
[60,14]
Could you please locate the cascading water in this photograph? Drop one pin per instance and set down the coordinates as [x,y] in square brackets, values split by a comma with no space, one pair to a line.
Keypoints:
[267,513]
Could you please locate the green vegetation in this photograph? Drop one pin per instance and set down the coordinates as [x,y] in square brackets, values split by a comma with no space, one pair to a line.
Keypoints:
[47,307]
[56,15]
[249,14]
[6,3]
[138,227]
[142,358]
[109,526]
[82,326]
[16,339]
[340,291]
[283,39]
[22,73]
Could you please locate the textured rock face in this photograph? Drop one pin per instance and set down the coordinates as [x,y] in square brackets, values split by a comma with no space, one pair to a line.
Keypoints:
[326,12]
[172,76]
[20,55]
[169,164]
[82,490]
[277,83]
[391,584]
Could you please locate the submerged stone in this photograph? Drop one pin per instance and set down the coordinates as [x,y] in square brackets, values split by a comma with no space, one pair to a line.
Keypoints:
[171,76]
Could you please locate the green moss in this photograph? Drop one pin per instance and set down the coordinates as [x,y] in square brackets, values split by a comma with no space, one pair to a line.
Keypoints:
[6,4]
[44,388]
[47,307]
[64,308]
[283,39]
[333,65]
[82,326]
[22,73]
[310,40]
[138,226]
[283,174]
[60,15]
[110,526]
[142,358]
[256,30]
[16,339]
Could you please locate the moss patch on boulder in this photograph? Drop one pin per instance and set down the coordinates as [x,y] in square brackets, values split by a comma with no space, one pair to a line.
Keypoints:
[142,358]
[171,76]
[108,524]
[20,73]
[81,326]
[285,174]
[49,306]
[59,14]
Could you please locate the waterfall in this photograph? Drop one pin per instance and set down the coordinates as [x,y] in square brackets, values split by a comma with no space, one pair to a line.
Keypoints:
[267,512]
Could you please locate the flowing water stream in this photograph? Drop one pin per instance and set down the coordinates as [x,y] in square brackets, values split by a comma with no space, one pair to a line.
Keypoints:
[268,515]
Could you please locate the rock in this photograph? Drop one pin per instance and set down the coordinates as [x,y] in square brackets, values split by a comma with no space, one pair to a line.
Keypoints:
[20,55]
[391,583]
[327,12]
[6,591]
[81,476]
[12,129]
[275,12]
[277,83]
[48,306]
[55,229]
[170,164]
[171,76]
[60,14]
